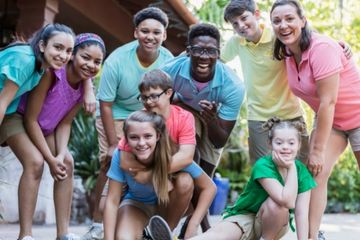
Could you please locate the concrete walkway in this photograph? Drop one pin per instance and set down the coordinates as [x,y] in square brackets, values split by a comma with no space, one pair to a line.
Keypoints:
[336,226]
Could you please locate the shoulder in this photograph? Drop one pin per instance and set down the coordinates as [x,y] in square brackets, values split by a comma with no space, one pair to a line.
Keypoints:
[165,52]
[180,112]
[122,52]
[230,79]
[322,42]
[176,63]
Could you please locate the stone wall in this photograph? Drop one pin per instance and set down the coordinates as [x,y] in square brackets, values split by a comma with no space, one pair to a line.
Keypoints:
[10,173]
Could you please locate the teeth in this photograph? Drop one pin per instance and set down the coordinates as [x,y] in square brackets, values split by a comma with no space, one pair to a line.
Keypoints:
[203,65]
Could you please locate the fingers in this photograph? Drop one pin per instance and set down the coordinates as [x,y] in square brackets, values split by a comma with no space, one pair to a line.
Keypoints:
[89,107]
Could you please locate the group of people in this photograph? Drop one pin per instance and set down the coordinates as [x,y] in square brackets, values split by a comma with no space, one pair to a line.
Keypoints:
[163,122]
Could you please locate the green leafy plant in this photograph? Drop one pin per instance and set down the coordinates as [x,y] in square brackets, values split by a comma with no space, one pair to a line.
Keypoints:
[84,148]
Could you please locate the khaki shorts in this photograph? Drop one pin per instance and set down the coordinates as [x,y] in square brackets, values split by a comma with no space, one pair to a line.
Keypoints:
[11,125]
[103,142]
[259,143]
[250,225]
[204,146]
[149,210]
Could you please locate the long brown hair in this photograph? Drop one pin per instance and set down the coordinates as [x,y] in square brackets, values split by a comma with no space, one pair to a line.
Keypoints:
[280,51]
[162,153]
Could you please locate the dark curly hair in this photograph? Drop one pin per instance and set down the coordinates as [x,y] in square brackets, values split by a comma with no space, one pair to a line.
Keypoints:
[151,12]
[203,29]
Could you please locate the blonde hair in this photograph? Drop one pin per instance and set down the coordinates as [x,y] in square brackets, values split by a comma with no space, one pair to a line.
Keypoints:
[162,153]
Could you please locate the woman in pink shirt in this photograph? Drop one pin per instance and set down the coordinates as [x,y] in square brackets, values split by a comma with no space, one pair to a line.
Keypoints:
[320,74]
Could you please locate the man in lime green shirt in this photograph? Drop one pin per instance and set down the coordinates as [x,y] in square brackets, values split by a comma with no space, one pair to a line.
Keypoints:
[265,78]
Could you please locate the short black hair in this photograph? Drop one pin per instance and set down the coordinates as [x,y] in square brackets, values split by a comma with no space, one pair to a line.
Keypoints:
[203,29]
[238,7]
[151,12]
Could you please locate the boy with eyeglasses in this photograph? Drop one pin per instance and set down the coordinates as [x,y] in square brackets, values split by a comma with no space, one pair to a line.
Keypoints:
[210,90]
[118,92]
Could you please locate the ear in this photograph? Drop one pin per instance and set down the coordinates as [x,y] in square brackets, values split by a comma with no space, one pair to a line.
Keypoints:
[135,33]
[257,14]
[42,46]
[164,35]
[188,51]
[304,20]
[158,135]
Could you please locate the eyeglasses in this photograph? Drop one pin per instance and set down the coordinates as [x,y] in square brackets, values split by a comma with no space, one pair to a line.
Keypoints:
[198,51]
[153,97]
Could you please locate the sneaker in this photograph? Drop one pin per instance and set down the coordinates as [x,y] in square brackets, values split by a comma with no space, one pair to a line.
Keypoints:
[28,238]
[94,233]
[69,236]
[321,235]
[157,229]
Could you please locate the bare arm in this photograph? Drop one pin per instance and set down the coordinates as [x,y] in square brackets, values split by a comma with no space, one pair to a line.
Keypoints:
[283,195]
[35,102]
[89,96]
[207,191]
[7,94]
[302,214]
[63,130]
[111,209]
[219,129]
[327,91]
[182,158]
[109,127]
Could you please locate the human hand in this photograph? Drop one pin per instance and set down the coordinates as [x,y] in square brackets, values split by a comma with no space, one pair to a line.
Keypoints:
[209,110]
[281,161]
[89,102]
[346,49]
[316,162]
[191,230]
[143,177]
[57,169]
[129,163]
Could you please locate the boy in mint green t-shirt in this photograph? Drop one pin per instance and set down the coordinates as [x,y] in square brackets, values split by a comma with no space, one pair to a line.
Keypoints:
[279,185]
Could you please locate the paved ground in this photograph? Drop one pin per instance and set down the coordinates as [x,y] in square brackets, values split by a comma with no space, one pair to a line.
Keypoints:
[336,226]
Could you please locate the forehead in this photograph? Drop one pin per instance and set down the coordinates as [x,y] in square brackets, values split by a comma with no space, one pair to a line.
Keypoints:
[205,41]
[93,50]
[287,9]
[152,90]
[285,133]
[244,13]
[140,127]
[151,23]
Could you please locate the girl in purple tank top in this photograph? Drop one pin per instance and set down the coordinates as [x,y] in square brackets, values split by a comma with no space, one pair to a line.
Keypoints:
[48,113]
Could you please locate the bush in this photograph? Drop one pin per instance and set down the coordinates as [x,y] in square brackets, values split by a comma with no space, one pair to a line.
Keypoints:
[84,147]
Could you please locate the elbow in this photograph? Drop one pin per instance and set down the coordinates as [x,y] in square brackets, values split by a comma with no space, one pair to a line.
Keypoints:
[288,203]
[212,189]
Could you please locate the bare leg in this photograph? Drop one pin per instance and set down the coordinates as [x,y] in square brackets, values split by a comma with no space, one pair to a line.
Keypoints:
[357,155]
[33,165]
[130,224]
[335,146]
[221,231]
[271,226]
[180,198]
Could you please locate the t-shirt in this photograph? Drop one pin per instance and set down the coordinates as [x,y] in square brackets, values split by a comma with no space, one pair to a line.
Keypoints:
[265,78]
[17,64]
[59,101]
[225,88]
[180,125]
[121,75]
[141,192]
[254,194]
[322,59]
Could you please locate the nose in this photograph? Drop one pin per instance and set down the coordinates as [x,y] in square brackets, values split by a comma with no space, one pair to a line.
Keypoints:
[283,24]
[141,141]
[91,64]
[64,55]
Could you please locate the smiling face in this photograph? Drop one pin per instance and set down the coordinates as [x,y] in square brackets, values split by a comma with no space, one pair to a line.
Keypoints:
[142,138]
[203,66]
[162,104]
[247,26]
[150,33]
[287,25]
[286,143]
[87,61]
[58,49]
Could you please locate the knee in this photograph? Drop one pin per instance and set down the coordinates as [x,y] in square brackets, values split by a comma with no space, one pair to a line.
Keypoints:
[184,184]
[274,209]
[35,166]
[69,163]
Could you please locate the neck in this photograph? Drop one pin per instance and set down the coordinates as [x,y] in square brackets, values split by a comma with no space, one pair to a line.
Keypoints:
[146,58]
[72,78]
[257,36]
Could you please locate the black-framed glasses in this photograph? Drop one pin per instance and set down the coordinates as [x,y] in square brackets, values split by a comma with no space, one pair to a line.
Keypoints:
[198,51]
[152,97]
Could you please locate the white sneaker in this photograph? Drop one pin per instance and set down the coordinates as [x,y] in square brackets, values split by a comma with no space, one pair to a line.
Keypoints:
[158,229]
[94,233]
[28,238]
[69,236]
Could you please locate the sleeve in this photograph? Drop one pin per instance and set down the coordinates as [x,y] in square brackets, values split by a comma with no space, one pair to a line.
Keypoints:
[325,59]
[232,100]
[305,180]
[194,170]
[109,82]
[263,169]
[115,173]
[229,51]
[18,69]
[187,134]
